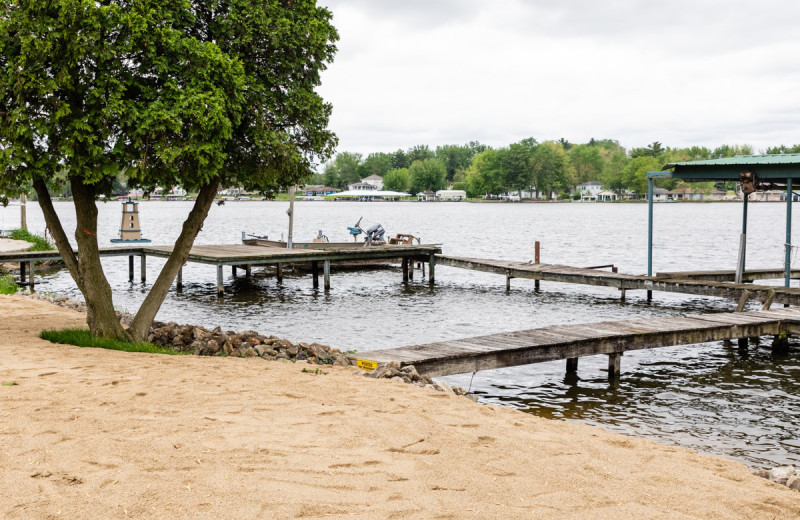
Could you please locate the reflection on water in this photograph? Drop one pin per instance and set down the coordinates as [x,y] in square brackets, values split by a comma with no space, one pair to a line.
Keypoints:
[710,397]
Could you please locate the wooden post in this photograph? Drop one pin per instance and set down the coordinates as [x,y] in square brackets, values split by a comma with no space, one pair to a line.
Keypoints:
[220,288]
[233,271]
[768,301]
[431,266]
[614,365]
[32,277]
[622,295]
[248,270]
[279,272]
[22,272]
[405,270]
[143,259]
[572,364]
[315,273]
[130,268]
[179,283]
[23,212]
[536,261]
[649,295]
[326,270]
[411,263]
[743,342]
[508,282]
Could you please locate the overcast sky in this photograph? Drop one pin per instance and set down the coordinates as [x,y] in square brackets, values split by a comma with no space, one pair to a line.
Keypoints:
[704,72]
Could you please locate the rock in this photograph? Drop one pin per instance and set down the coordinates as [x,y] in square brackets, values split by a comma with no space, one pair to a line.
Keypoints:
[252,341]
[794,482]
[780,475]
[293,350]
[249,352]
[472,397]
[259,349]
[270,352]
[212,348]
[397,378]
[761,473]
[445,387]
[228,348]
[217,330]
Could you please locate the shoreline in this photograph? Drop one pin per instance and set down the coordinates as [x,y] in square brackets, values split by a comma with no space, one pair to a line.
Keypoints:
[91,433]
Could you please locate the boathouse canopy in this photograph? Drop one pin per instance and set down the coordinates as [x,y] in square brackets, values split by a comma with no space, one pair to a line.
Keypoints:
[772,171]
[754,173]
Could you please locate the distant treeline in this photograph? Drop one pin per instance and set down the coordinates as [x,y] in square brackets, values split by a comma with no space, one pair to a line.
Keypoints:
[548,168]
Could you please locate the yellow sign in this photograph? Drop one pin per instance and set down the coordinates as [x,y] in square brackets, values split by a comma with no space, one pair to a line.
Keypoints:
[366,364]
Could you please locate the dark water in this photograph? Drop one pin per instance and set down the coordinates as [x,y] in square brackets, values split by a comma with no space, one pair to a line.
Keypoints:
[716,399]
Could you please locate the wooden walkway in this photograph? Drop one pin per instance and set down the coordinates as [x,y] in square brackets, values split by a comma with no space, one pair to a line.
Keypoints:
[573,341]
[246,256]
[729,276]
[585,276]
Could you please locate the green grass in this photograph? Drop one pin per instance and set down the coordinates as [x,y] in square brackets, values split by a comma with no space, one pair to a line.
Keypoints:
[83,338]
[39,243]
[7,284]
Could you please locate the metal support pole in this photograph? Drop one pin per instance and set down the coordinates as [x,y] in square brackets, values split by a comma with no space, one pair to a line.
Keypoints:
[315,273]
[788,259]
[220,287]
[290,211]
[650,226]
[742,242]
[130,268]
[326,270]
[405,270]
[572,364]
[614,365]
[431,266]
[143,259]
[536,260]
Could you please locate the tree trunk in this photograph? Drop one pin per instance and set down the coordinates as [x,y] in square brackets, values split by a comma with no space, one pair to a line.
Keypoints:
[57,230]
[100,315]
[140,327]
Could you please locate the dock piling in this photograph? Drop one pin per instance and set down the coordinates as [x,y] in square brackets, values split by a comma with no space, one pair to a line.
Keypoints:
[279,272]
[32,277]
[143,259]
[326,269]
[405,270]
[614,365]
[233,271]
[220,287]
[431,266]
[22,272]
[536,261]
[572,364]
[130,268]
[315,273]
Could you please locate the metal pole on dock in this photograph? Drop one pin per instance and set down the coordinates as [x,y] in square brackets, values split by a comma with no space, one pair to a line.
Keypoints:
[220,288]
[788,259]
[279,272]
[290,212]
[742,241]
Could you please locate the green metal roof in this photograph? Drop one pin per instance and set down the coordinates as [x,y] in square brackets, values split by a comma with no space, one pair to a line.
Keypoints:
[777,168]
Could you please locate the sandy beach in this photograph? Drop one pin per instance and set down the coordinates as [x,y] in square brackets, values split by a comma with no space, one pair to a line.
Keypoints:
[8,245]
[90,433]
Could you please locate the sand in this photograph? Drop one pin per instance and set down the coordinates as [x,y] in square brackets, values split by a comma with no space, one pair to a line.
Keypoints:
[89,433]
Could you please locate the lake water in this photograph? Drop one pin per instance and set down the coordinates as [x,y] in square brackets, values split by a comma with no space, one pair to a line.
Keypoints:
[710,397]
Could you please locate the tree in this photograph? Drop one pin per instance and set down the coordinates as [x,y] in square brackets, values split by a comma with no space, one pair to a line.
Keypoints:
[427,175]
[419,152]
[549,166]
[397,180]
[345,166]
[455,158]
[484,175]
[517,170]
[196,93]
[375,164]
[635,172]
[586,163]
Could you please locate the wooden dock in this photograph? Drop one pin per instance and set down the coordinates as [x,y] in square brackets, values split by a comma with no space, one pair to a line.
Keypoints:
[571,342]
[589,276]
[247,256]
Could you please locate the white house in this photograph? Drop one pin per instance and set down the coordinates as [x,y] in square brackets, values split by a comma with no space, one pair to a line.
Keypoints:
[362,186]
[606,196]
[589,190]
[375,180]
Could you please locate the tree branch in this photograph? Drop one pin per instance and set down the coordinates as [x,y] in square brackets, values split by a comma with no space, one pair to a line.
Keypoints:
[57,230]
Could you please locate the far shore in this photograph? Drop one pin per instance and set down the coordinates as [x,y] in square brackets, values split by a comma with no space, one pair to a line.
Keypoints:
[91,433]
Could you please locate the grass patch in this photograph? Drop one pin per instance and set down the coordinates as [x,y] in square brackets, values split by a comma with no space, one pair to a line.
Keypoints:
[316,372]
[7,284]
[83,338]
[39,242]
[10,383]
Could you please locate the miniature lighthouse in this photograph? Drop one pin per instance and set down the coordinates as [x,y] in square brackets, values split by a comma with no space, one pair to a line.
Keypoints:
[130,230]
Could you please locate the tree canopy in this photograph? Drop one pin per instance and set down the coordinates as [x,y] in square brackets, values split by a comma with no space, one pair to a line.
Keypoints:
[196,93]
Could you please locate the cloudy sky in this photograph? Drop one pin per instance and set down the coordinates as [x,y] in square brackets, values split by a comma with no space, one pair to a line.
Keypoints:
[705,72]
